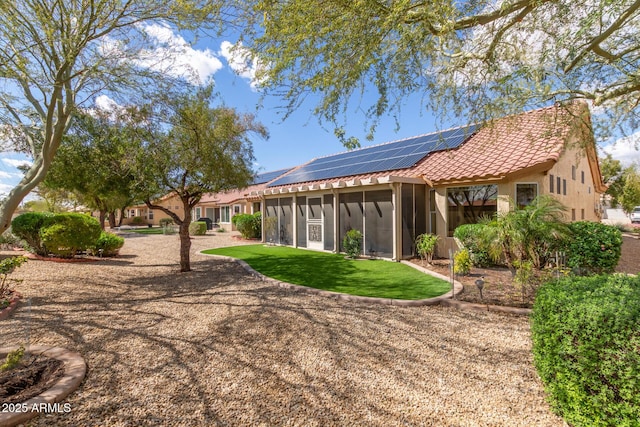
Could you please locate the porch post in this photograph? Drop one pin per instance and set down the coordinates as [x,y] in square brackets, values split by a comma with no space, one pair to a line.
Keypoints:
[396,195]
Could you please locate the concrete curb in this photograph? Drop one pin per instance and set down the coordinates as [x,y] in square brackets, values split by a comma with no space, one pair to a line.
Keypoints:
[353,298]
[75,370]
[13,304]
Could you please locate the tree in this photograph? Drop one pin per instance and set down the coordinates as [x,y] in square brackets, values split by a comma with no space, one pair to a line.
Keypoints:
[623,183]
[199,150]
[57,54]
[478,59]
[97,161]
[630,196]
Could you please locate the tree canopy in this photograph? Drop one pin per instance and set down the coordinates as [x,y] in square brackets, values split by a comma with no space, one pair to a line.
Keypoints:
[195,149]
[55,55]
[474,59]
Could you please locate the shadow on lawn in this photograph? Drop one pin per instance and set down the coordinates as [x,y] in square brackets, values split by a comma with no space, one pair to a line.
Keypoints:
[276,351]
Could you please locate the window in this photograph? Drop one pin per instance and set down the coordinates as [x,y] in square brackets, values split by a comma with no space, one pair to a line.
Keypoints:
[198,213]
[589,189]
[558,185]
[256,207]
[564,187]
[551,182]
[432,212]
[573,173]
[224,214]
[132,213]
[573,214]
[237,209]
[150,214]
[525,194]
[582,176]
[467,205]
[581,213]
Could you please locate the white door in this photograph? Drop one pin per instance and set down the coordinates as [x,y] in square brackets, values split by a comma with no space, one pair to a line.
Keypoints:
[314,223]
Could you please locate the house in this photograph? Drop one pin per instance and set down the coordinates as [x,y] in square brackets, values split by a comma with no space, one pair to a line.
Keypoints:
[433,183]
[140,214]
[221,207]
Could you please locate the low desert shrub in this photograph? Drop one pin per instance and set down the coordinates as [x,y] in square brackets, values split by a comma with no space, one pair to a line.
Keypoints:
[165,222]
[594,248]
[66,234]
[462,262]
[108,244]
[198,228]
[426,246]
[585,345]
[470,237]
[9,240]
[138,220]
[249,226]
[7,266]
[352,243]
[27,227]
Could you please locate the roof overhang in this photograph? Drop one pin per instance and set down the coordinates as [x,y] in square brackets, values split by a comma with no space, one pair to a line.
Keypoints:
[339,183]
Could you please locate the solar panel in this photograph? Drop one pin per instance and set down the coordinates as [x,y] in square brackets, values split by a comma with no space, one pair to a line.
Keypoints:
[378,158]
[268,176]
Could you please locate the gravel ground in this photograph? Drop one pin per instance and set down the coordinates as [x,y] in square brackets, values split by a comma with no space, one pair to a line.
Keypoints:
[218,347]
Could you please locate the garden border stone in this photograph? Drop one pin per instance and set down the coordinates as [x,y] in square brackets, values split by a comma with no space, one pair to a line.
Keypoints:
[75,370]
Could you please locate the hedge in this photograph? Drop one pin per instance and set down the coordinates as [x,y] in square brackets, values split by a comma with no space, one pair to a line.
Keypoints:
[594,248]
[586,342]
[67,233]
[27,227]
[249,226]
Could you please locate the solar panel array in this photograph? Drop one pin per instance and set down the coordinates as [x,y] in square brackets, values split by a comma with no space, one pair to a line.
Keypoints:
[384,157]
[268,176]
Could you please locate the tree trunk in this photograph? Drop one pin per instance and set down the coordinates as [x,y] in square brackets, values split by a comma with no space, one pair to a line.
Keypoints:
[112,219]
[103,215]
[185,247]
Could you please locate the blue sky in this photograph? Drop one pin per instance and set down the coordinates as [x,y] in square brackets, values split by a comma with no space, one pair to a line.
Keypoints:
[297,139]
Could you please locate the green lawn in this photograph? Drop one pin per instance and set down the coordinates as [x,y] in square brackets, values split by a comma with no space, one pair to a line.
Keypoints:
[153,230]
[331,272]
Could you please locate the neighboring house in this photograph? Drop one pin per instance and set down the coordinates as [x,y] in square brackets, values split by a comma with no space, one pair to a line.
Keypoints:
[432,183]
[152,216]
[221,207]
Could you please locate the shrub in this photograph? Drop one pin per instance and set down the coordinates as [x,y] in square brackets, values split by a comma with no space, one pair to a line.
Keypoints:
[165,222]
[138,220]
[426,246]
[7,266]
[462,262]
[67,233]
[585,345]
[27,227]
[198,228]
[8,240]
[470,237]
[249,226]
[594,247]
[109,243]
[352,243]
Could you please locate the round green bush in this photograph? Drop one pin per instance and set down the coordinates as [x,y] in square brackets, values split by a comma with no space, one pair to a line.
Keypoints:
[594,248]
[27,227]
[470,236]
[108,244]
[249,226]
[586,346]
[68,233]
[198,228]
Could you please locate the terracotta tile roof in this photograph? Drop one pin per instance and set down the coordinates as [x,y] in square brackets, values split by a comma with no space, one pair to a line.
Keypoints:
[509,145]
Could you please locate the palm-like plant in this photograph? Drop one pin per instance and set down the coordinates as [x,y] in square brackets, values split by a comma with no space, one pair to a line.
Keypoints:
[530,234]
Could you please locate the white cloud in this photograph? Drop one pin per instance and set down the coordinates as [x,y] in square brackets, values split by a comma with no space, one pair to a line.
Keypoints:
[241,62]
[5,175]
[625,149]
[16,162]
[174,56]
